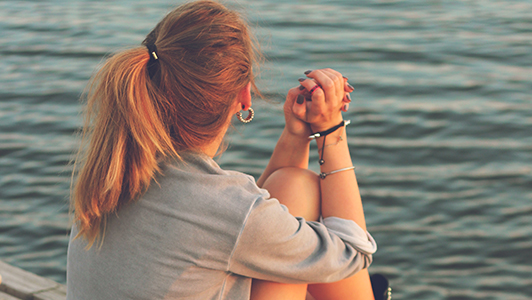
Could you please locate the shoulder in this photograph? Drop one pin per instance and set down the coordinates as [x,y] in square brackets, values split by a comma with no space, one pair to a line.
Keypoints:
[200,173]
[199,186]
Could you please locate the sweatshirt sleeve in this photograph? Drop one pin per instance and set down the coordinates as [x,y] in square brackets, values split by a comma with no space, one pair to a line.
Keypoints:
[275,246]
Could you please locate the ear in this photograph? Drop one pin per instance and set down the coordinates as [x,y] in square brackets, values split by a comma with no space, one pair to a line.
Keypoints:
[243,98]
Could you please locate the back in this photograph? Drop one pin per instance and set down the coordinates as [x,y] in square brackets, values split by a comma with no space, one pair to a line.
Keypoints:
[174,243]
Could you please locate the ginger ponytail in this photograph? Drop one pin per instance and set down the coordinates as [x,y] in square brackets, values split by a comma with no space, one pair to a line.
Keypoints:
[123,137]
[135,116]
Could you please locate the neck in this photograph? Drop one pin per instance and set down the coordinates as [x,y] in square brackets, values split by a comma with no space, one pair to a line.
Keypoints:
[211,148]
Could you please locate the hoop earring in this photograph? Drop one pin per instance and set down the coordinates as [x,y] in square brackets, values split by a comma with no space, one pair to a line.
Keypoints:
[248,119]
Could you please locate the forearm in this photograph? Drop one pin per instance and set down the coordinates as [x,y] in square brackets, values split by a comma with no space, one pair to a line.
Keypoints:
[290,151]
[340,196]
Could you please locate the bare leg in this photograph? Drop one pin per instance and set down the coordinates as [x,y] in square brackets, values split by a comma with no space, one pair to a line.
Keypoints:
[299,190]
[356,287]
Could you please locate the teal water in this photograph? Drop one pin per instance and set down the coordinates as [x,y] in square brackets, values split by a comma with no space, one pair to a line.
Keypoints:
[441,128]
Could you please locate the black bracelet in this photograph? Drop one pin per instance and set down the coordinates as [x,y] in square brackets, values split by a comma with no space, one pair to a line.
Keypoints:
[330,130]
[324,134]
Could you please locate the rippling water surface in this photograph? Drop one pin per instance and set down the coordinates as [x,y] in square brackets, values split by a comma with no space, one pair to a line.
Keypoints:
[441,128]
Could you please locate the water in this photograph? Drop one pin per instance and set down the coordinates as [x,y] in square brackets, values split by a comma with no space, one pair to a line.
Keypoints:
[441,126]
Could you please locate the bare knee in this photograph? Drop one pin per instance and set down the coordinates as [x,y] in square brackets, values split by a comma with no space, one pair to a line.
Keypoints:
[298,189]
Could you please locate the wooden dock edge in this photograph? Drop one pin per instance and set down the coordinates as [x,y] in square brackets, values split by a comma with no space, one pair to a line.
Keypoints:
[16,283]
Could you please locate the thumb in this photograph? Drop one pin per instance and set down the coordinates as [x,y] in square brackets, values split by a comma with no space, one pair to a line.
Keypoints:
[300,108]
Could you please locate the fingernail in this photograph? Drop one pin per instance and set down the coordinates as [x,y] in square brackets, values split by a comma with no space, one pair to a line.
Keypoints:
[308,72]
[345,78]
[346,107]
[301,79]
[243,107]
[301,87]
[348,97]
[350,86]
[300,99]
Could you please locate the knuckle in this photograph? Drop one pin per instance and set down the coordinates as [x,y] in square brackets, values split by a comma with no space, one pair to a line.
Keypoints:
[292,92]
[308,83]
[328,84]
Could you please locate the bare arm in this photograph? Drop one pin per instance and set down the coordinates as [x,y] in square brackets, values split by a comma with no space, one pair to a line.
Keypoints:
[292,149]
[340,196]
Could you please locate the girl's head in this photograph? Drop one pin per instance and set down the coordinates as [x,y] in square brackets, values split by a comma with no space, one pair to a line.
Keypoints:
[205,57]
[137,114]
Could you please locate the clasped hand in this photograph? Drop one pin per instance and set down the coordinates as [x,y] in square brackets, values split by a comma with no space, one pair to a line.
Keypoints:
[307,112]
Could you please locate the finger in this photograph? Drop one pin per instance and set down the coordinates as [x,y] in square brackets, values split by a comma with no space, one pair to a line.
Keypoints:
[338,80]
[317,96]
[333,85]
[294,107]
[326,89]
[305,93]
[303,89]
[301,79]
[345,107]
[293,92]
[327,80]
[292,96]
[290,99]
[348,88]
[347,98]
[343,87]
[299,108]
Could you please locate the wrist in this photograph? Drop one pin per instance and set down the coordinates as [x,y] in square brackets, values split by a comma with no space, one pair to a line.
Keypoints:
[294,148]
[330,130]
[326,125]
[329,143]
[295,139]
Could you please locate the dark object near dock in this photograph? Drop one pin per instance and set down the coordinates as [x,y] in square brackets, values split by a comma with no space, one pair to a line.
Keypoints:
[16,284]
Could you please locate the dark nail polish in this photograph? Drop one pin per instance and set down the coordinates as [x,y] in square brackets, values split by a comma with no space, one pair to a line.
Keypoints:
[301,79]
[346,107]
[300,99]
[350,86]
[243,107]
[308,72]
[301,87]
[348,97]
[345,78]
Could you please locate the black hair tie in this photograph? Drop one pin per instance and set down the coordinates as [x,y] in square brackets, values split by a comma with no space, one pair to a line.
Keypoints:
[152,49]
[154,59]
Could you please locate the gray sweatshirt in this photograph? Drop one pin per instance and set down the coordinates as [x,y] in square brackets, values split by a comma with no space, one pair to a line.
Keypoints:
[201,232]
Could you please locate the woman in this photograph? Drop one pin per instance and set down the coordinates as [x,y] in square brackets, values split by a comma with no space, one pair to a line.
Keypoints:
[156,217]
